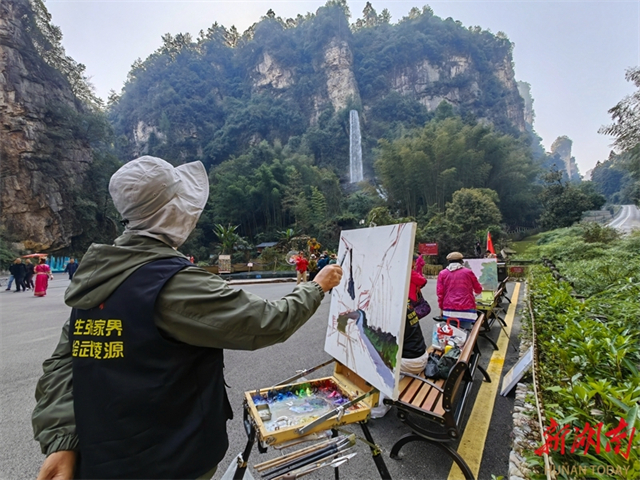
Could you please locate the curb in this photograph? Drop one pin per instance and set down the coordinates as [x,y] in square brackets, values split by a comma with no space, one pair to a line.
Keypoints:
[255,281]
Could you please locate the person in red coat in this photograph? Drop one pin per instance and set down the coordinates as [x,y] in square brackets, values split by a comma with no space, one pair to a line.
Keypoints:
[456,288]
[302,265]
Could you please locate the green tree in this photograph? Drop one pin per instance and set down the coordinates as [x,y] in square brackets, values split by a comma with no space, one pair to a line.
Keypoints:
[426,167]
[626,130]
[287,235]
[626,117]
[473,209]
[227,238]
[563,203]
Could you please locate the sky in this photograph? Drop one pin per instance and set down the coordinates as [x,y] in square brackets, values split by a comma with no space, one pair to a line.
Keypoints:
[573,53]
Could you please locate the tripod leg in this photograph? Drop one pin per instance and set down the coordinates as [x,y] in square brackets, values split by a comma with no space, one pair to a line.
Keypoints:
[376,453]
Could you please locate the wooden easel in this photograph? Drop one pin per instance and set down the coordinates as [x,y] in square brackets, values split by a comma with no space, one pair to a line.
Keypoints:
[361,393]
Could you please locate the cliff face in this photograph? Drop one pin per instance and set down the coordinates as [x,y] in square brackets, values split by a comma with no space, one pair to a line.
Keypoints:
[458,81]
[525,92]
[39,166]
[292,77]
[338,69]
[561,150]
[269,73]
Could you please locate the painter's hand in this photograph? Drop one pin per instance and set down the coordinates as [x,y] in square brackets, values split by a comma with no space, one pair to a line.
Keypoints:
[329,277]
[58,466]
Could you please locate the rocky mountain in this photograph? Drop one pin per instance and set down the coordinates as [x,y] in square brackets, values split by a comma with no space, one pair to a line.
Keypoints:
[561,155]
[41,161]
[218,95]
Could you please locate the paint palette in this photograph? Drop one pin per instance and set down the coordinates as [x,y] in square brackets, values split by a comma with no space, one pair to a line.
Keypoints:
[279,412]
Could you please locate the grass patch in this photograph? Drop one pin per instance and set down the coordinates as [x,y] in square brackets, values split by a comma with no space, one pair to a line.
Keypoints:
[523,245]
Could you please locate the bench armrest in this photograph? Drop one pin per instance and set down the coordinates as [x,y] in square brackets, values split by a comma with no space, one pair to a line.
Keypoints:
[424,380]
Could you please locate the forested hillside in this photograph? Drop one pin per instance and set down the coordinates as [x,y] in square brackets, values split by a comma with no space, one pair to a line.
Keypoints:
[445,136]
[294,81]
[268,112]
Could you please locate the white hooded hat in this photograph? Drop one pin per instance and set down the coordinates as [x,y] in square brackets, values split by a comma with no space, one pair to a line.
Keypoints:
[159,200]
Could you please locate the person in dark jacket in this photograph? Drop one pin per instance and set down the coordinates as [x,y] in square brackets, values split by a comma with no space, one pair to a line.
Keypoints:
[19,272]
[135,387]
[324,261]
[28,280]
[71,268]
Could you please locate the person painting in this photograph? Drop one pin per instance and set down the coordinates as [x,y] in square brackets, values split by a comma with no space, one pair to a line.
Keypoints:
[71,268]
[414,350]
[456,288]
[302,264]
[135,387]
[43,275]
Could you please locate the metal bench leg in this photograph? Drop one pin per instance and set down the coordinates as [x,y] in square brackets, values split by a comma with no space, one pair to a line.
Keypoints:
[413,437]
[485,374]
[466,471]
[409,437]
[376,453]
[484,335]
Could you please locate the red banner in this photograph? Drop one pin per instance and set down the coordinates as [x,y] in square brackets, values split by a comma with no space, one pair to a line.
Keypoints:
[428,249]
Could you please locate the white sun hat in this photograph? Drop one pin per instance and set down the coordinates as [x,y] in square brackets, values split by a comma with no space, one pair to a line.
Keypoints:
[159,200]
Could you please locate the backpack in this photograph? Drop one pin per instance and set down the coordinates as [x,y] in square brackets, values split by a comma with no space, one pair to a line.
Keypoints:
[447,361]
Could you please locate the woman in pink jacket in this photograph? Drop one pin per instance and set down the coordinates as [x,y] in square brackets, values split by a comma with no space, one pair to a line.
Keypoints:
[456,288]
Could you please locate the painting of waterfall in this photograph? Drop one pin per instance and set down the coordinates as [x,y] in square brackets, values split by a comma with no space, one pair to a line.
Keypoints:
[368,308]
[355,148]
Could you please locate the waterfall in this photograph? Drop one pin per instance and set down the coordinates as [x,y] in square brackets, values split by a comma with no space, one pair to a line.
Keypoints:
[355,148]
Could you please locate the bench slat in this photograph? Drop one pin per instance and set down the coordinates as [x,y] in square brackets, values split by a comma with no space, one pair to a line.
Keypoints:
[411,391]
[433,398]
[438,410]
[404,383]
[422,393]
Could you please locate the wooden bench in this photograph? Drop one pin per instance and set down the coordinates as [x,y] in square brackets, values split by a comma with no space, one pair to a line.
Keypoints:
[440,402]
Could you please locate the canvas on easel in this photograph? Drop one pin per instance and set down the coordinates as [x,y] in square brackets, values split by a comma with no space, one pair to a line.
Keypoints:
[486,270]
[368,308]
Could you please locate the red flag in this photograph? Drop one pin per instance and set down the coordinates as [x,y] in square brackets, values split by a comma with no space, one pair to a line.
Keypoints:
[490,243]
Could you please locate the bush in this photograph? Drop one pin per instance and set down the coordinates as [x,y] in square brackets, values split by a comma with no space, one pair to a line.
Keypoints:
[7,254]
[595,233]
[588,350]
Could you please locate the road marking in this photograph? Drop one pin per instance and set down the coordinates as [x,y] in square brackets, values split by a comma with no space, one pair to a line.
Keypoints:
[475,434]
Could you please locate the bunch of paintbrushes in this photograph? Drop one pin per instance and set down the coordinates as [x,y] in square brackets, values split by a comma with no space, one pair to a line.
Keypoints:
[307,460]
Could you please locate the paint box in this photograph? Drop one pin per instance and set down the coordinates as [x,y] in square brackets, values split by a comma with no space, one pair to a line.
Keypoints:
[278,412]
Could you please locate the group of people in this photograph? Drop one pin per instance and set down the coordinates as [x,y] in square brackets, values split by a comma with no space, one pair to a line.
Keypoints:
[23,274]
[308,269]
[456,289]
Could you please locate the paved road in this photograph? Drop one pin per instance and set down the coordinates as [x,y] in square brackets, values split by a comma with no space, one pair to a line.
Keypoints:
[628,219]
[29,331]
